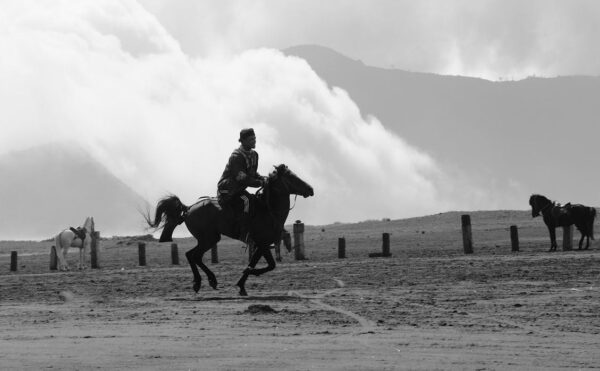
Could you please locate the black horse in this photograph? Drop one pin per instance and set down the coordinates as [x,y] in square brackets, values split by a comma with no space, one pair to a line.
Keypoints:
[556,215]
[206,221]
[583,217]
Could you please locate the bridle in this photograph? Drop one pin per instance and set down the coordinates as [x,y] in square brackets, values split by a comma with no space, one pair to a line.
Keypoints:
[286,188]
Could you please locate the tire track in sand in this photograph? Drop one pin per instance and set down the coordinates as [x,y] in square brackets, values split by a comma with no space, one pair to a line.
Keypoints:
[365,323]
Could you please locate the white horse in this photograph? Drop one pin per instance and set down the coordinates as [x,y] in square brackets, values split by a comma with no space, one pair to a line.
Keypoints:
[68,238]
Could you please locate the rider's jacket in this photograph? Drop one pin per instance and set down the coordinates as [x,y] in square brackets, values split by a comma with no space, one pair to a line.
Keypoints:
[240,172]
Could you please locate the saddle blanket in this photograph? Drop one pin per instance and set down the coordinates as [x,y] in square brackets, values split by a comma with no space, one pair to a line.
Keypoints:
[205,200]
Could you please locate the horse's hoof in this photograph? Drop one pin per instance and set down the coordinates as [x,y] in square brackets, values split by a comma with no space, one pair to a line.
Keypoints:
[196,286]
[213,284]
[243,291]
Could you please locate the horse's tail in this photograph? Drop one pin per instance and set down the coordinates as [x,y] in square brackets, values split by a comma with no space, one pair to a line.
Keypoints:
[57,243]
[170,212]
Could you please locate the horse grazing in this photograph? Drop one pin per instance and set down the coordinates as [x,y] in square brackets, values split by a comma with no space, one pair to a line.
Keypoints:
[556,215]
[583,217]
[207,221]
[74,237]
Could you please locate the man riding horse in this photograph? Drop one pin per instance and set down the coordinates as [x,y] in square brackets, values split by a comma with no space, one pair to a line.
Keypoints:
[240,173]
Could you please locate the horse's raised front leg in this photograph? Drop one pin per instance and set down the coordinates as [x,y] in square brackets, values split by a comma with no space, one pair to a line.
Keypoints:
[241,283]
[250,270]
[270,263]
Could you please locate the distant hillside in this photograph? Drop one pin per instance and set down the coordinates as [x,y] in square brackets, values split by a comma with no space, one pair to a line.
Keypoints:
[540,134]
[46,189]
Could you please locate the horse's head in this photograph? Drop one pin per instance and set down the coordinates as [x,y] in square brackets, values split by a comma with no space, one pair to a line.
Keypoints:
[535,211]
[89,224]
[283,179]
[538,203]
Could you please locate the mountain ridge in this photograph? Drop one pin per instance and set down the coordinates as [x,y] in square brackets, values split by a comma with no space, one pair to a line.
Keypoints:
[535,133]
[48,188]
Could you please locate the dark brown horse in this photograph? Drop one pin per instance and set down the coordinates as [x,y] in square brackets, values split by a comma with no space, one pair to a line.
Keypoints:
[583,217]
[556,215]
[206,221]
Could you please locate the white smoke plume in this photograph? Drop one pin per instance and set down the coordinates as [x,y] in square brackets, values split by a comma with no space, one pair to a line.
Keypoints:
[108,75]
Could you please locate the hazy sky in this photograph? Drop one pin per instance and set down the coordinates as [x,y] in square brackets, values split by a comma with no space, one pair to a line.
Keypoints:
[485,38]
[158,90]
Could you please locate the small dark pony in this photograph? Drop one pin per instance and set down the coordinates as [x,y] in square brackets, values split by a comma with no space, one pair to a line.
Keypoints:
[583,217]
[207,221]
[556,215]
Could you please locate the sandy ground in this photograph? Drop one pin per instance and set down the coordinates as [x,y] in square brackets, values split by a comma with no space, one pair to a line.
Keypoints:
[491,310]
[368,317]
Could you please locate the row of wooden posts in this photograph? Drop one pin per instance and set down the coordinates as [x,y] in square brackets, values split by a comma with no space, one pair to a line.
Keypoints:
[298,232]
[514,236]
[298,245]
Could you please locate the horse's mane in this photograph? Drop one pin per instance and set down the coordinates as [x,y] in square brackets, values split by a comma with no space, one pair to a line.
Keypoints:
[539,196]
[263,193]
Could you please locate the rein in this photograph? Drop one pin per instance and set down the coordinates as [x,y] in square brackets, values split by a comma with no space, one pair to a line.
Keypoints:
[294,205]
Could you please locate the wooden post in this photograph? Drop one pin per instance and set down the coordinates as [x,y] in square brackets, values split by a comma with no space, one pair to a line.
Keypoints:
[214,255]
[94,250]
[568,238]
[53,258]
[13,261]
[142,253]
[514,238]
[341,248]
[466,233]
[299,240]
[174,254]
[385,246]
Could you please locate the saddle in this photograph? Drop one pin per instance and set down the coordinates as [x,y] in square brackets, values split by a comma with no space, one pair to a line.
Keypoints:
[560,213]
[80,232]
[204,200]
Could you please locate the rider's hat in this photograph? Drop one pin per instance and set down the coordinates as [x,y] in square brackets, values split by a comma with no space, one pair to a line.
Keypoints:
[245,133]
